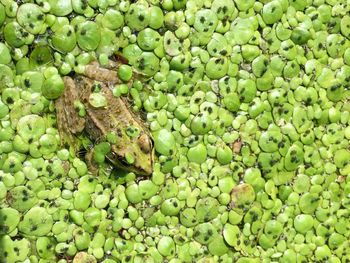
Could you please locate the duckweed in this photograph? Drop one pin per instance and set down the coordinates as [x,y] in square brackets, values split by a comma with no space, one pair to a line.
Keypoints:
[36,222]
[88,36]
[64,39]
[247,106]
[53,87]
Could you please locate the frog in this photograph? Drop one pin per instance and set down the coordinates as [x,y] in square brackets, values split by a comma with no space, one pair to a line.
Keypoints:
[116,118]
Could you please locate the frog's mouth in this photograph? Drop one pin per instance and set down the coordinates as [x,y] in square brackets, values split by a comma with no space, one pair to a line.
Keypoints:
[121,163]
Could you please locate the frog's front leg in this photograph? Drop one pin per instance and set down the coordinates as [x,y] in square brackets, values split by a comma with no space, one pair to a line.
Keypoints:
[93,167]
[96,160]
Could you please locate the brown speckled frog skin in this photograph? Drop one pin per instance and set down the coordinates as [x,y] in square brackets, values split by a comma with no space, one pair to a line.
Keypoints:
[115,118]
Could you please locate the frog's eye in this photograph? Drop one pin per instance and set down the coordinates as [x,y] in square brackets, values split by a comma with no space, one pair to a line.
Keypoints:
[145,143]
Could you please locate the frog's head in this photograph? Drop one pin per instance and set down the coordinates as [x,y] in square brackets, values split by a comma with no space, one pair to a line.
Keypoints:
[137,156]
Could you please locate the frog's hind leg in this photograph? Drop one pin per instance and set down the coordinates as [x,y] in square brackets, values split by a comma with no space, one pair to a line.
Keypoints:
[68,120]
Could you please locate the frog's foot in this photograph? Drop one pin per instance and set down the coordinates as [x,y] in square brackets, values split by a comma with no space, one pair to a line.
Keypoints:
[96,72]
